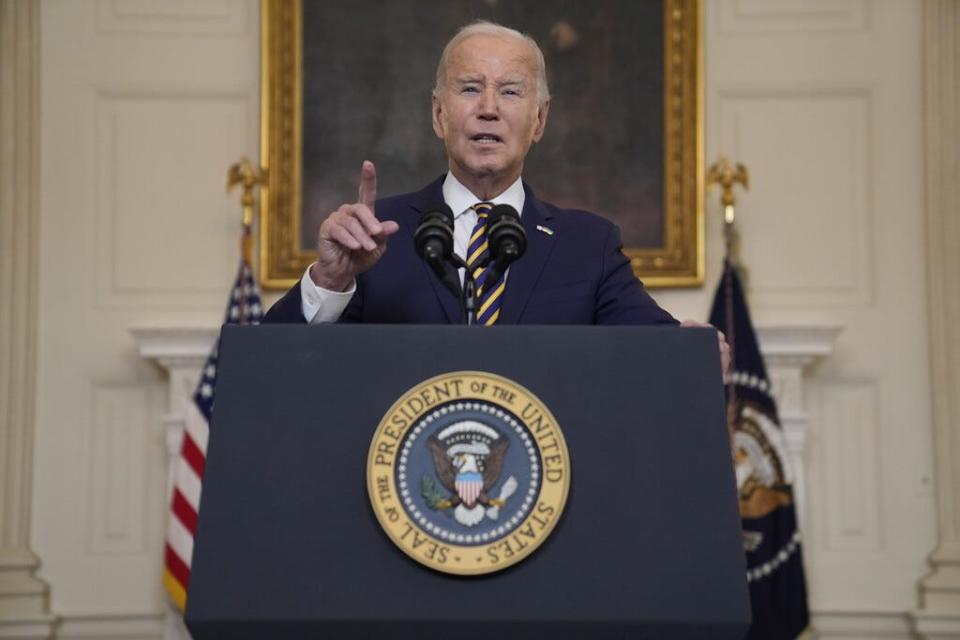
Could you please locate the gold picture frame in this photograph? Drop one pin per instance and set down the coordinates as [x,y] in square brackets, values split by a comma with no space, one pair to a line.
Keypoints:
[677,262]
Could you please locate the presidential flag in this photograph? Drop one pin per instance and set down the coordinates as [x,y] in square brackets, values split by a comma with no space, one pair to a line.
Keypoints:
[771,538]
[244,307]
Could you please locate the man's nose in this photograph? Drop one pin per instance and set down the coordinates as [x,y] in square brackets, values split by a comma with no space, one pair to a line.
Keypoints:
[488,108]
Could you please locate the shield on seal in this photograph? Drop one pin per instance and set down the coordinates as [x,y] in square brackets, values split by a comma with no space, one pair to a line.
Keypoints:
[469,486]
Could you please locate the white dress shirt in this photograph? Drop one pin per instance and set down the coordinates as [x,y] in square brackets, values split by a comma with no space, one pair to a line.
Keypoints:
[322,305]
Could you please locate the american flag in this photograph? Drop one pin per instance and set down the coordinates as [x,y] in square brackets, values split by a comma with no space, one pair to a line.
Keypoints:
[244,307]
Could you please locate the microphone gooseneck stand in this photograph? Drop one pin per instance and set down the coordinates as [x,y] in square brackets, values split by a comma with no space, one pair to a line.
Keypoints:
[468,292]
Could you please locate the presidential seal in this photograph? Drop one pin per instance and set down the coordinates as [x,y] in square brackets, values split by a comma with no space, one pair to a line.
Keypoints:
[468,473]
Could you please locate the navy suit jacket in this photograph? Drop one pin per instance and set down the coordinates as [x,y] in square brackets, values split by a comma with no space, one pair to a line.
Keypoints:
[577,275]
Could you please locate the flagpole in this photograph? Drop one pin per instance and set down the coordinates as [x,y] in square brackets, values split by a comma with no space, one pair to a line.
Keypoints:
[771,539]
[245,174]
[727,175]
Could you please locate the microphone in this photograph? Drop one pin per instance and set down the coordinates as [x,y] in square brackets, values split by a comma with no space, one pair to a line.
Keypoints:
[506,238]
[434,236]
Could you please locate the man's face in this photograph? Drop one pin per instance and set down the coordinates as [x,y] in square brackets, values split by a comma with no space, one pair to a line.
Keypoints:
[487,112]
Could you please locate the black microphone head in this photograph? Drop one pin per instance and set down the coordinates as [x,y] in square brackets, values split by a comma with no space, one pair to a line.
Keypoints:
[433,239]
[440,211]
[506,237]
[501,211]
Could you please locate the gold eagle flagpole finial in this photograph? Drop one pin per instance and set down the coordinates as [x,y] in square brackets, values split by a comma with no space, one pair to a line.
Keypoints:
[727,174]
[245,174]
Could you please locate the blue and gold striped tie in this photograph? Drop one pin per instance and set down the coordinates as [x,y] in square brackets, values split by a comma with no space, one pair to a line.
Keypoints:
[489,294]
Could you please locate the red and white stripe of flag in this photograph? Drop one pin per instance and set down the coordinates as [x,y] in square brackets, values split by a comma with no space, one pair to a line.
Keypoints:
[187,483]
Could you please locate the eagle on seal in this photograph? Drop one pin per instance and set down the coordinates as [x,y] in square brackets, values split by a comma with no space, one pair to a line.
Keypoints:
[468,458]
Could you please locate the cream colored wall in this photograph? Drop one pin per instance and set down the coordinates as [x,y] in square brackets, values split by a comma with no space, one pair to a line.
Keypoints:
[823,101]
[145,103]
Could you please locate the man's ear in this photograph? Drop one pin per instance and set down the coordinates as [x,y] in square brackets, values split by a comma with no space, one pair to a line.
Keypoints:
[437,116]
[541,121]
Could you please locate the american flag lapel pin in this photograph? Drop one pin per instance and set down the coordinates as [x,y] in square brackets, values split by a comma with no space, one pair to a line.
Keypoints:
[546,230]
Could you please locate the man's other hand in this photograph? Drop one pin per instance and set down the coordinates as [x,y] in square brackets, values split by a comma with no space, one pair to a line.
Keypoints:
[722,339]
[351,239]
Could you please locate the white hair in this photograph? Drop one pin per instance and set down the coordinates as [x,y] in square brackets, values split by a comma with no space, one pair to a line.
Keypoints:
[487,28]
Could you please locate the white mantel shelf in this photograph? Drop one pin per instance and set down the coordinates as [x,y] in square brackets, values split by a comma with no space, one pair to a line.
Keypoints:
[175,346]
[803,342]
[171,346]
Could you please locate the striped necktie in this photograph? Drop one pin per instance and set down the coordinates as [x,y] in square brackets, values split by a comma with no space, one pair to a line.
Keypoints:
[489,294]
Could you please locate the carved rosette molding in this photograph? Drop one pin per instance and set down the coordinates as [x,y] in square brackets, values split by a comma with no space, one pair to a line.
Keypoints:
[24,605]
[938,614]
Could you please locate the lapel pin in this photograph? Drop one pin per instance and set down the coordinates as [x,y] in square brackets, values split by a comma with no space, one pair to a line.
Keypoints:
[546,230]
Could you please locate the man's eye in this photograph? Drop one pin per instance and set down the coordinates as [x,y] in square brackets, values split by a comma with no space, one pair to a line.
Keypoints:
[469,90]
[511,92]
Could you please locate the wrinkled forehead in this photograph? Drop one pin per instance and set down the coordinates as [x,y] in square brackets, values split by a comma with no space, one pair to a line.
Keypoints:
[503,55]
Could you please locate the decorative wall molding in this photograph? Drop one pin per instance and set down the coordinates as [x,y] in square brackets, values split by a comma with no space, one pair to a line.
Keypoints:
[124,626]
[24,606]
[798,345]
[801,17]
[177,206]
[850,453]
[861,625]
[829,130]
[118,468]
[195,17]
[788,351]
[181,351]
[938,614]
[168,93]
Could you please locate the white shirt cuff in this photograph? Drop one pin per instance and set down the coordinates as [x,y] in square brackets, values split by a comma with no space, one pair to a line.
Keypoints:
[322,305]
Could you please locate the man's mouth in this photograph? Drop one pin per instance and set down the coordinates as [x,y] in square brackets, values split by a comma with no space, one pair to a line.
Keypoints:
[486,138]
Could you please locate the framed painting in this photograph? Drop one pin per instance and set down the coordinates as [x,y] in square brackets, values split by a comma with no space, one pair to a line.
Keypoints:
[348,81]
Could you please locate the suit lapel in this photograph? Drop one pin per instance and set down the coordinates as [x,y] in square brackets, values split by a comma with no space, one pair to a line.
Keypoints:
[525,272]
[449,301]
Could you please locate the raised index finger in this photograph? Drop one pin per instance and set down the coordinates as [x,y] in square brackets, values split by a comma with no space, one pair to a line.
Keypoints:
[368,184]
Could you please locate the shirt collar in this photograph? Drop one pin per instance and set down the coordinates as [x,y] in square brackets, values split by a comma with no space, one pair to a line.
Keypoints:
[460,199]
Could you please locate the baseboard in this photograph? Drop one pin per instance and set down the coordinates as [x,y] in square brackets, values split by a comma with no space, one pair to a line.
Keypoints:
[937,626]
[147,626]
[861,625]
[40,628]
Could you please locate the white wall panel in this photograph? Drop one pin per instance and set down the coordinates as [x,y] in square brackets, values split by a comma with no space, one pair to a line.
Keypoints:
[162,213]
[144,105]
[809,154]
[118,471]
[822,101]
[207,17]
[850,477]
[793,16]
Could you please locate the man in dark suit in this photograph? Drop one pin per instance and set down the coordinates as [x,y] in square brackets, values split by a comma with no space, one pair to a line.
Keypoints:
[573,272]
[490,105]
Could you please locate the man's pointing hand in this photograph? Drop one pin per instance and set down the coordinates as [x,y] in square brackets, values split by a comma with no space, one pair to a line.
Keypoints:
[351,239]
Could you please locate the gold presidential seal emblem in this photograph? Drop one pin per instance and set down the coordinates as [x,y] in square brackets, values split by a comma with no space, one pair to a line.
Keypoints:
[468,473]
